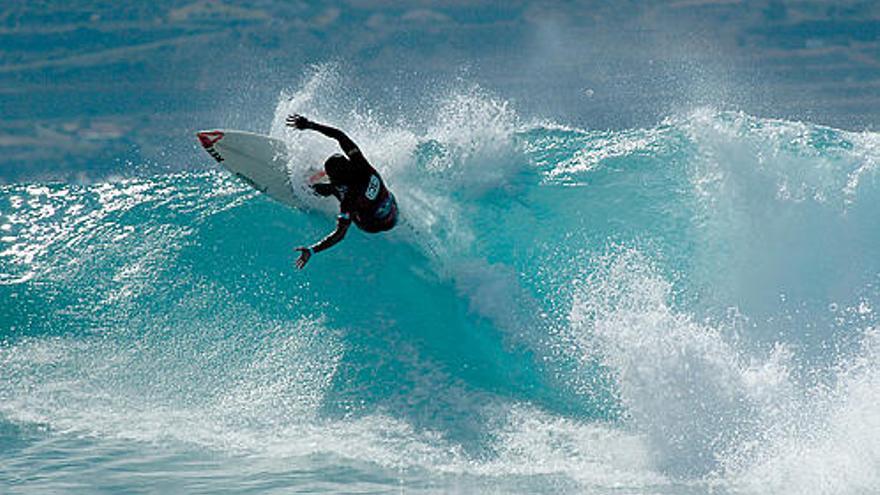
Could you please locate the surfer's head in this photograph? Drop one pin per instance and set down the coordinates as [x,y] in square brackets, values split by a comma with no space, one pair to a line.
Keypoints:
[338,168]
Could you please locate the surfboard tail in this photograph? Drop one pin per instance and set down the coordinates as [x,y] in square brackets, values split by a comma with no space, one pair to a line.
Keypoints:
[208,140]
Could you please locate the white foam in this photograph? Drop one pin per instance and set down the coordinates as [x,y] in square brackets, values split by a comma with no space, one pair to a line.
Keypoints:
[711,410]
[835,448]
[681,382]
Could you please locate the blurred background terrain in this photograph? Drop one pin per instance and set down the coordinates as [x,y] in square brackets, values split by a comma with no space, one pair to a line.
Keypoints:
[95,89]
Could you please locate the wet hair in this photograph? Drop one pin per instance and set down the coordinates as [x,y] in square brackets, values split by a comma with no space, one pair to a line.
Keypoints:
[338,168]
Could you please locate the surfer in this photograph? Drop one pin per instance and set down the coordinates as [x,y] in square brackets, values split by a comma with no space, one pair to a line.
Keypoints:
[363,197]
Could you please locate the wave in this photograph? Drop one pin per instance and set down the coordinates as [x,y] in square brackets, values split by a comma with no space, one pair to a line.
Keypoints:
[645,309]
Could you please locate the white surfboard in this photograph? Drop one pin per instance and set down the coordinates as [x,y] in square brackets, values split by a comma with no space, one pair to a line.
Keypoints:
[262,162]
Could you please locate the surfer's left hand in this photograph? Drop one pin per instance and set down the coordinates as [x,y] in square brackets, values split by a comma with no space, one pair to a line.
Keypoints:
[297,121]
[305,254]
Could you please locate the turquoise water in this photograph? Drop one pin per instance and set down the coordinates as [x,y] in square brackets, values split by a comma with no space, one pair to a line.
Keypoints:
[684,308]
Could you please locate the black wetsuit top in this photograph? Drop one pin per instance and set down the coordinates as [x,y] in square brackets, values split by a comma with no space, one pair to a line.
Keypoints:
[363,198]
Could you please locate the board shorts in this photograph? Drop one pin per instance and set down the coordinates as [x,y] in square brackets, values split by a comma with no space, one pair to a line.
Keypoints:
[384,217]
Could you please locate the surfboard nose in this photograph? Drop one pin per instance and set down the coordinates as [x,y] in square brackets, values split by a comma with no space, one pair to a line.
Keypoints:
[209,138]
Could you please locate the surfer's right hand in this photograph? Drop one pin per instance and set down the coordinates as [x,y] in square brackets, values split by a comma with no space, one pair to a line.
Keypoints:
[304,255]
[297,121]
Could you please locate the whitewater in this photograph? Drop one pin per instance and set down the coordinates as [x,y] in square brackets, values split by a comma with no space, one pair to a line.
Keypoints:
[685,308]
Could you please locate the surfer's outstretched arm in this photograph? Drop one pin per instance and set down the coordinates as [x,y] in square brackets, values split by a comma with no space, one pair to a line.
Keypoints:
[299,122]
[342,224]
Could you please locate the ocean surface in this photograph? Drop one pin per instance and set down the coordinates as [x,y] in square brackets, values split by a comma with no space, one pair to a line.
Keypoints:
[684,308]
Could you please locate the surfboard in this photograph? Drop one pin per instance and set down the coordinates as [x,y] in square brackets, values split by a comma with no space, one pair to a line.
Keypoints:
[262,162]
